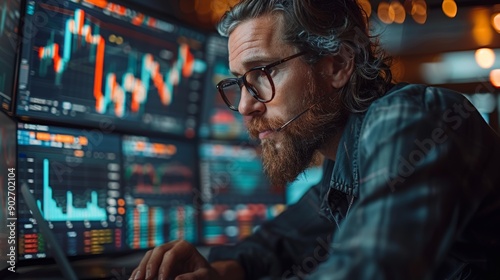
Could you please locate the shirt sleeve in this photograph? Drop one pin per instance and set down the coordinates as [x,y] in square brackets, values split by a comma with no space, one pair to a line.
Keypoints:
[416,164]
[278,247]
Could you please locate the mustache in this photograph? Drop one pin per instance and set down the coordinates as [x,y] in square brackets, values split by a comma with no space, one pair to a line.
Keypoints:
[259,124]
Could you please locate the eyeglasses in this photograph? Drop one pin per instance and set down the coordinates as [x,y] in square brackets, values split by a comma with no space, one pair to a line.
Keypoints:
[257,81]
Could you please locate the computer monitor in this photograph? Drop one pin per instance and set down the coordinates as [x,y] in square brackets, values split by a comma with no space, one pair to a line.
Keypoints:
[485,103]
[75,177]
[91,61]
[236,195]
[217,121]
[160,191]
[8,195]
[9,26]
[308,178]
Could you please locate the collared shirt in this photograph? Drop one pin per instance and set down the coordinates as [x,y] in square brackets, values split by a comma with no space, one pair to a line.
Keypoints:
[414,193]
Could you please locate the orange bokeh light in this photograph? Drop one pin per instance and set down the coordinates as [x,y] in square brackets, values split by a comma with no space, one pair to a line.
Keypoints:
[495,77]
[485,57]
[449,8]
[495,21]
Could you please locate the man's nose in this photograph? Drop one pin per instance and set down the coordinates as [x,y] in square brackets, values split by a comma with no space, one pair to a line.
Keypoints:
[248,105]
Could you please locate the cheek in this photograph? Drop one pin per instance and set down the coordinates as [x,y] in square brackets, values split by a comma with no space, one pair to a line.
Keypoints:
[291,98]
[285,104]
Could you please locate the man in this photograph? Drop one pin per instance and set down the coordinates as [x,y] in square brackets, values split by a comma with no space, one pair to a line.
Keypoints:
[410,190]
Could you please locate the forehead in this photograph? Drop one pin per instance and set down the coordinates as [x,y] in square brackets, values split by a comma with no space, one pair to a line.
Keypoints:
[254,39]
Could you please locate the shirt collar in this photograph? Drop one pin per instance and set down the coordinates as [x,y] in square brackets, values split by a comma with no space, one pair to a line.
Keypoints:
[345,175]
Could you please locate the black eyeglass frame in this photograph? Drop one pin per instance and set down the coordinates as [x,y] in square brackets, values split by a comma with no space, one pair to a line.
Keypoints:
[241,81]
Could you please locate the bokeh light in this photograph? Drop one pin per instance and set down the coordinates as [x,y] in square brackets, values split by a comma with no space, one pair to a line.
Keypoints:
[385,13]
[367,7]
[485,57]
[450,8]
[399,11]
[495,21]
[419,11]
[495,77]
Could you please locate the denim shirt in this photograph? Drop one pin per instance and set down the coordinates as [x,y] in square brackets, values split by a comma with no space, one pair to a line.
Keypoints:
[414,193]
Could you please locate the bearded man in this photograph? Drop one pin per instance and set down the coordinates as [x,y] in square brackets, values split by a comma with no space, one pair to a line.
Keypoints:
[410,188]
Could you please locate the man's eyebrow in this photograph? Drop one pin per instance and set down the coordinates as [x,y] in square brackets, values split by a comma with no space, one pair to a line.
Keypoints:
[234,73]
[254,61]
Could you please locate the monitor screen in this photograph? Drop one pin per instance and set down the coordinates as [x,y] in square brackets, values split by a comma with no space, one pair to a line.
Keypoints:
[92,61]
[308,178]
[8,194]
[236,195]
[75,178]
[160,191]
[217,120]
[9,25]
[485,103]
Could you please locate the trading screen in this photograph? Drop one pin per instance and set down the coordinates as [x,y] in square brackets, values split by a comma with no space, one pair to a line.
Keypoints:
[89,60]
[9,25]
[74,176]
[160,191]
[236,195]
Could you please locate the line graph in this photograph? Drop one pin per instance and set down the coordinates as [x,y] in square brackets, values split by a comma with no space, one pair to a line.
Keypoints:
[107,88]
[88,62]
[76,185]
[54,212]
[173,178]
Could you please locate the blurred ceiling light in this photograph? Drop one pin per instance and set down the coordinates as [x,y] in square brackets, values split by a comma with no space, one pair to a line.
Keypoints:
[485,57]
[495,21]
[481,30]
[384,13]
[419,11]
[495,77]
[449,8]
[456,67]
[367,7]
[398,10]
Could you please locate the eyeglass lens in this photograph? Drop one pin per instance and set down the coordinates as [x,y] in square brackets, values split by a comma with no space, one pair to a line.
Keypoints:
[258,84]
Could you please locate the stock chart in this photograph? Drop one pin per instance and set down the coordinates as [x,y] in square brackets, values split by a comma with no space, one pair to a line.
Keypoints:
[101,60]
[74,176]
[236,195]
[160,191]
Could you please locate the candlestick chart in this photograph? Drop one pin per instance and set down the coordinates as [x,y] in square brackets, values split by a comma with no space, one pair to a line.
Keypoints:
[93,65]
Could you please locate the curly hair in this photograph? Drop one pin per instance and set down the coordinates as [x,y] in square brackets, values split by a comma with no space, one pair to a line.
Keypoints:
[323,28]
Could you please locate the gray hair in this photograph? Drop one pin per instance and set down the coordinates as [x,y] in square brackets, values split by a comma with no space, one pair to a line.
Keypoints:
[324,28]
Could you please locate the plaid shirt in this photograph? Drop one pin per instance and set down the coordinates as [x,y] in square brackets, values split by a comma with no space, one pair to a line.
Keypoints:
[414,193]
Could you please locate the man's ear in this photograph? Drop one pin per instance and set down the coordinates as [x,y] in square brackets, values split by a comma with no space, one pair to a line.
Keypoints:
[337,69]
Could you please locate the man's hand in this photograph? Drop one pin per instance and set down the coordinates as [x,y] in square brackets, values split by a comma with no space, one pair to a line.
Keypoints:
[177,260]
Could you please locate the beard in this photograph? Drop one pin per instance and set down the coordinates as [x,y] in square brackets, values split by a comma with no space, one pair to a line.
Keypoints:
[287,155]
